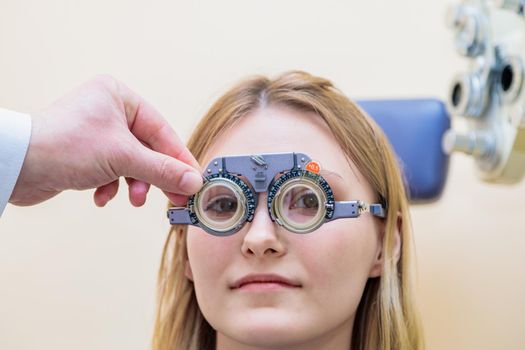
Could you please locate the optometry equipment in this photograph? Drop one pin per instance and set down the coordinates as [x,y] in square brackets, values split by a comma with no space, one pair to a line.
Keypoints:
[489,100]
[299,198]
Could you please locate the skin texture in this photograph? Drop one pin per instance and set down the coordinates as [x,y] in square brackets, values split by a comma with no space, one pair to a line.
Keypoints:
[331,264]
[96,133]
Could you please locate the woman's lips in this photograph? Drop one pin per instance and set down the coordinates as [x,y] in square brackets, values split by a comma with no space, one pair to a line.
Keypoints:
[263,282]
[264,286]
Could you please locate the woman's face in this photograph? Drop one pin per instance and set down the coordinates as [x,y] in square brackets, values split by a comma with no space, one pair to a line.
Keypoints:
[328,267]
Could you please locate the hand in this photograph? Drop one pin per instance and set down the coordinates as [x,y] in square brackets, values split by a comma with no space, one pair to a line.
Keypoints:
[98,132]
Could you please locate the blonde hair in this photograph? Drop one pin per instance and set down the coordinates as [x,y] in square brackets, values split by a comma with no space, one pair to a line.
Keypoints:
[386,317]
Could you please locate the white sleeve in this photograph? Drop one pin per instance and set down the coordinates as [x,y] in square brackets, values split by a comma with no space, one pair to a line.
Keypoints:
[15,132]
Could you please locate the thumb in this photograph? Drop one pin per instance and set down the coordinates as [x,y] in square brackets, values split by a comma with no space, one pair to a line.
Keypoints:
[165,172]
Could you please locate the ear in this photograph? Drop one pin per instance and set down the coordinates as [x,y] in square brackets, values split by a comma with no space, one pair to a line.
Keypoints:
[377,266]
[187,270]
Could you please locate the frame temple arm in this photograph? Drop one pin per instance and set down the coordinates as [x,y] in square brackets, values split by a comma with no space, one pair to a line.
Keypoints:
[179,216]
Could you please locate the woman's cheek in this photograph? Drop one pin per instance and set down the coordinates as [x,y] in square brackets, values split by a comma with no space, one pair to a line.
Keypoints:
[336,253]
[208,255]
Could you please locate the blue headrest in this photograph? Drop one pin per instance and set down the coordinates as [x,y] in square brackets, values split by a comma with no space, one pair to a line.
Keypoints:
[415,129]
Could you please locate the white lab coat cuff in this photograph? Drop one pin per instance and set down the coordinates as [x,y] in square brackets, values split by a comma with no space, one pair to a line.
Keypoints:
[15,133]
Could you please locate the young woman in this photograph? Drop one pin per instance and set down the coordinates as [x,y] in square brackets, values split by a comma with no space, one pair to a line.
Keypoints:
[339,284]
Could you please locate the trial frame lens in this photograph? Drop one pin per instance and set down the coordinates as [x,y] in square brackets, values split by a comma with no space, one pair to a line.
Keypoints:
[207,201]
[296,216]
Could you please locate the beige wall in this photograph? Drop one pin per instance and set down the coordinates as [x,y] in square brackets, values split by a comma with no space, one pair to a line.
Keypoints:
[73,276]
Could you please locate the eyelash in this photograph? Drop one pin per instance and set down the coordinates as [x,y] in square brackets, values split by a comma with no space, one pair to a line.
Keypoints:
[216,200]
[294,201]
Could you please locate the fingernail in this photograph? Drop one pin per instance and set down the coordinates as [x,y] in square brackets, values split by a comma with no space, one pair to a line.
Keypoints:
[190,182]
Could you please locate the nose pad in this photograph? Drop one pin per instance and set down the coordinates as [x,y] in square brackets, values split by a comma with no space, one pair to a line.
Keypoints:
[262,237]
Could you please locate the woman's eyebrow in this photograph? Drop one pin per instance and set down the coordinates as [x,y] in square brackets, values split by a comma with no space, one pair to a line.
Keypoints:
[326,172]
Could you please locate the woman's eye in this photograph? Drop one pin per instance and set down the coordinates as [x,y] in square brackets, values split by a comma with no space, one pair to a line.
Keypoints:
[306,201]
[222,204]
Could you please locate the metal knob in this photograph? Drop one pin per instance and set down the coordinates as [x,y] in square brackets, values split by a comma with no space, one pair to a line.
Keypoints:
[468,24]
[468,95]
[477,143]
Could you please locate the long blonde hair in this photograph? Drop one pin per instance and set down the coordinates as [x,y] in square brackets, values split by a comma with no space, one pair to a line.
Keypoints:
[386,317]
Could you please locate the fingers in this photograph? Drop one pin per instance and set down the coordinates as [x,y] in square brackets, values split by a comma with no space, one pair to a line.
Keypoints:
[138,191]
[148,126]
[157,156]
[178,200]
[167,173]
[105,193]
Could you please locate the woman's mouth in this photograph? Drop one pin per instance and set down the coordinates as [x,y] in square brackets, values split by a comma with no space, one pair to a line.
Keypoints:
[264,282]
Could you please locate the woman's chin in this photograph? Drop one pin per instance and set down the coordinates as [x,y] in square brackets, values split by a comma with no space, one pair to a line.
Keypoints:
[268,327]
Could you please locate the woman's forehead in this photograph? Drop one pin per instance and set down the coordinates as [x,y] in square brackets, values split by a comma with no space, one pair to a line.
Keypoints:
[281,129]
[278,129]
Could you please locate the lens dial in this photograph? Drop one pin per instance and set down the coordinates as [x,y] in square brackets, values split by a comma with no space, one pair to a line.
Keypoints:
[300,201]
[223,204]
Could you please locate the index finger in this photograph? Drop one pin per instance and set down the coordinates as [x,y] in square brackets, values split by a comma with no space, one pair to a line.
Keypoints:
[148,125]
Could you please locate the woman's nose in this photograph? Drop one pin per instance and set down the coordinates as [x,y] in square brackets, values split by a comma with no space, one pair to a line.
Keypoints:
[262,237]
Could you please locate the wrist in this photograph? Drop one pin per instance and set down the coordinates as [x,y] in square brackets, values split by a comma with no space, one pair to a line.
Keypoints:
[38,172]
